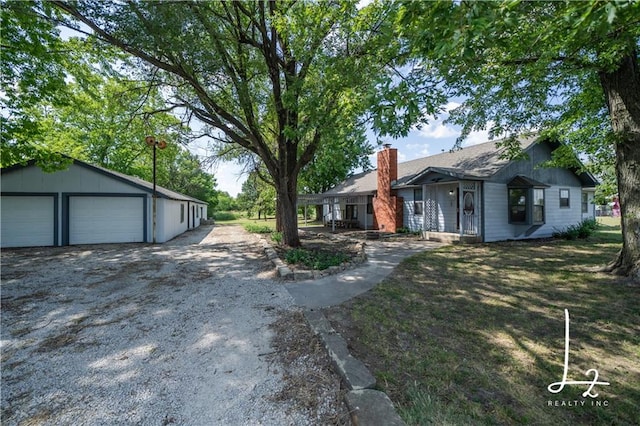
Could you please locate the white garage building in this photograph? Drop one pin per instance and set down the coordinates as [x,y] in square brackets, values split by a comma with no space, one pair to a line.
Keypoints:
[86,204]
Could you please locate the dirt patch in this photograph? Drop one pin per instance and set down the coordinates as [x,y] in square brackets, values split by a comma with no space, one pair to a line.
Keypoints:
[309,381]
[149,334]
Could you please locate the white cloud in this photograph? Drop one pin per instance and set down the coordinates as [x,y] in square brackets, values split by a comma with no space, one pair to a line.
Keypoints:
[451,105]
[418,150]
[437,130]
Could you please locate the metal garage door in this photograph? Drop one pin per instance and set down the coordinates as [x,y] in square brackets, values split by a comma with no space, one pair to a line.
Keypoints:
[94,220]
[27,221]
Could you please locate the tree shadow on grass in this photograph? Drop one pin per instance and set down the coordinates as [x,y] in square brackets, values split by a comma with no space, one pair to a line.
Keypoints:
[480,330]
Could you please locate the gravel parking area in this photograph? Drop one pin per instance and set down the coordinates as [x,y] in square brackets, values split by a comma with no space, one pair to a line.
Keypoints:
[177,333]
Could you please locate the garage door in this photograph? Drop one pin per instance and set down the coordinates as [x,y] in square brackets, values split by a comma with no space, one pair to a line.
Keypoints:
[94,220]
[27,221]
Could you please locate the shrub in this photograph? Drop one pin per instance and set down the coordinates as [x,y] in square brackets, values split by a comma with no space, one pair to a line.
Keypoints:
[224,216]
[258,229]
[313,259]
[276,237]
[584,229]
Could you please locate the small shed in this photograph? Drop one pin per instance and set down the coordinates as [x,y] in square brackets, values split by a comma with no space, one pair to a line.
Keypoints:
[87,204]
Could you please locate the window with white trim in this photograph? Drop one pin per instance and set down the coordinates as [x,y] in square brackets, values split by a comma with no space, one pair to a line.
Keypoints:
[564,197]
[526,206]
[417,201]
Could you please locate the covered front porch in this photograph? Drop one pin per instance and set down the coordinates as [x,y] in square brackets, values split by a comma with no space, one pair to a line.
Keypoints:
[341,211]
[451,209]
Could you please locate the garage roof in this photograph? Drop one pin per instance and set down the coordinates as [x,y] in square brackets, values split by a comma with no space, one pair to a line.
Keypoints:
[131,180]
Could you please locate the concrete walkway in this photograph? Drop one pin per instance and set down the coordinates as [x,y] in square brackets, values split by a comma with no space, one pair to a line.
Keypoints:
[382,257]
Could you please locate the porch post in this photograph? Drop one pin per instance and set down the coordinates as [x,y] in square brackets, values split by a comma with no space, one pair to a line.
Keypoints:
[460,208]
[364,211]
[333,214]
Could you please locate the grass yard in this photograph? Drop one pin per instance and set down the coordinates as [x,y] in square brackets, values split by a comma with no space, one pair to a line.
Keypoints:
[474,334]
[240,218]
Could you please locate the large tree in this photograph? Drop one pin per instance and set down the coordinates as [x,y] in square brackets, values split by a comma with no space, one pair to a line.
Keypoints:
[274,77]
[564,69]
[89,111]
[32,71]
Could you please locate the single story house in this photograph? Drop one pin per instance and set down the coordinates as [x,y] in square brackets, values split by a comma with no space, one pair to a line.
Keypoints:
[473,194]
[87,204]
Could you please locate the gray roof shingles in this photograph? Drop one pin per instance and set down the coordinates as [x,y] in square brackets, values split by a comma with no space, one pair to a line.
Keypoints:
[479,161]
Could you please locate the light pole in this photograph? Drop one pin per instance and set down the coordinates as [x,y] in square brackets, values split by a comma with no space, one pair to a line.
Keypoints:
[151,141]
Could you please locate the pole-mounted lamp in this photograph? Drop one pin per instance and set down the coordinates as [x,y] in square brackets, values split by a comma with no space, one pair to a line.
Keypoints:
[151,141]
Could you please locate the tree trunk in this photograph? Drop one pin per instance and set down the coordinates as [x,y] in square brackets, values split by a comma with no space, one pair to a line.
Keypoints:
[287,202]
[319,212]
[622,90]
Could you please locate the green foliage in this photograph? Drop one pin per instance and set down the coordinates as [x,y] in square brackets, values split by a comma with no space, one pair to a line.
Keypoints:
[32,69]
[276,237]
[97,114]
[582,230]
[314,259]
[257,196]
[526,65]
[275,99]
[258,229]
[226,202]
[224,216]
[565,70]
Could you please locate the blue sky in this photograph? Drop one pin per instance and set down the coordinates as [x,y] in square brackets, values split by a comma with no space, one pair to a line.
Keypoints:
[431,139]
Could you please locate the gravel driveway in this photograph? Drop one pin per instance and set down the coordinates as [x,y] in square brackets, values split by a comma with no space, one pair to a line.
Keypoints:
[138,334]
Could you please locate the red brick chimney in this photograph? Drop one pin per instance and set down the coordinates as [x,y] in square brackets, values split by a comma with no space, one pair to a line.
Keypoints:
[387,208]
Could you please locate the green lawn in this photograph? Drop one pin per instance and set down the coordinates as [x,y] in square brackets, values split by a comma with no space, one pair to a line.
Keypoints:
[474,334]
[240,218]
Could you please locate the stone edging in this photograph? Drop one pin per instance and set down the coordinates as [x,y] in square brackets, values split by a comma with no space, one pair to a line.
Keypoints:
[284,271]
[367,406]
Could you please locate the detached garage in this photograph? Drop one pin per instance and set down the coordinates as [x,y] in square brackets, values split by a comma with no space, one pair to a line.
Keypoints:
[86,204]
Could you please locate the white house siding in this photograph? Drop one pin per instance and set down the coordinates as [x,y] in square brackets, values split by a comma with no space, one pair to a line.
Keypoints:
[169,223]
[591,208]
[496,222]
[75,179]
[447,208]
[557,217]
[415,222]
[110,217]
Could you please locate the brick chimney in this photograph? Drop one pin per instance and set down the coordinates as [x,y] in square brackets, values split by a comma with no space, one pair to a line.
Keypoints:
[387,207]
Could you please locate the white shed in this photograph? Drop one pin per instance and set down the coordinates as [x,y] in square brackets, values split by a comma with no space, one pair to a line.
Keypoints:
[86,204]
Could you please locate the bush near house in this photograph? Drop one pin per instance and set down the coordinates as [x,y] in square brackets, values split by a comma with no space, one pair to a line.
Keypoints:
[315,259]
[584,229]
